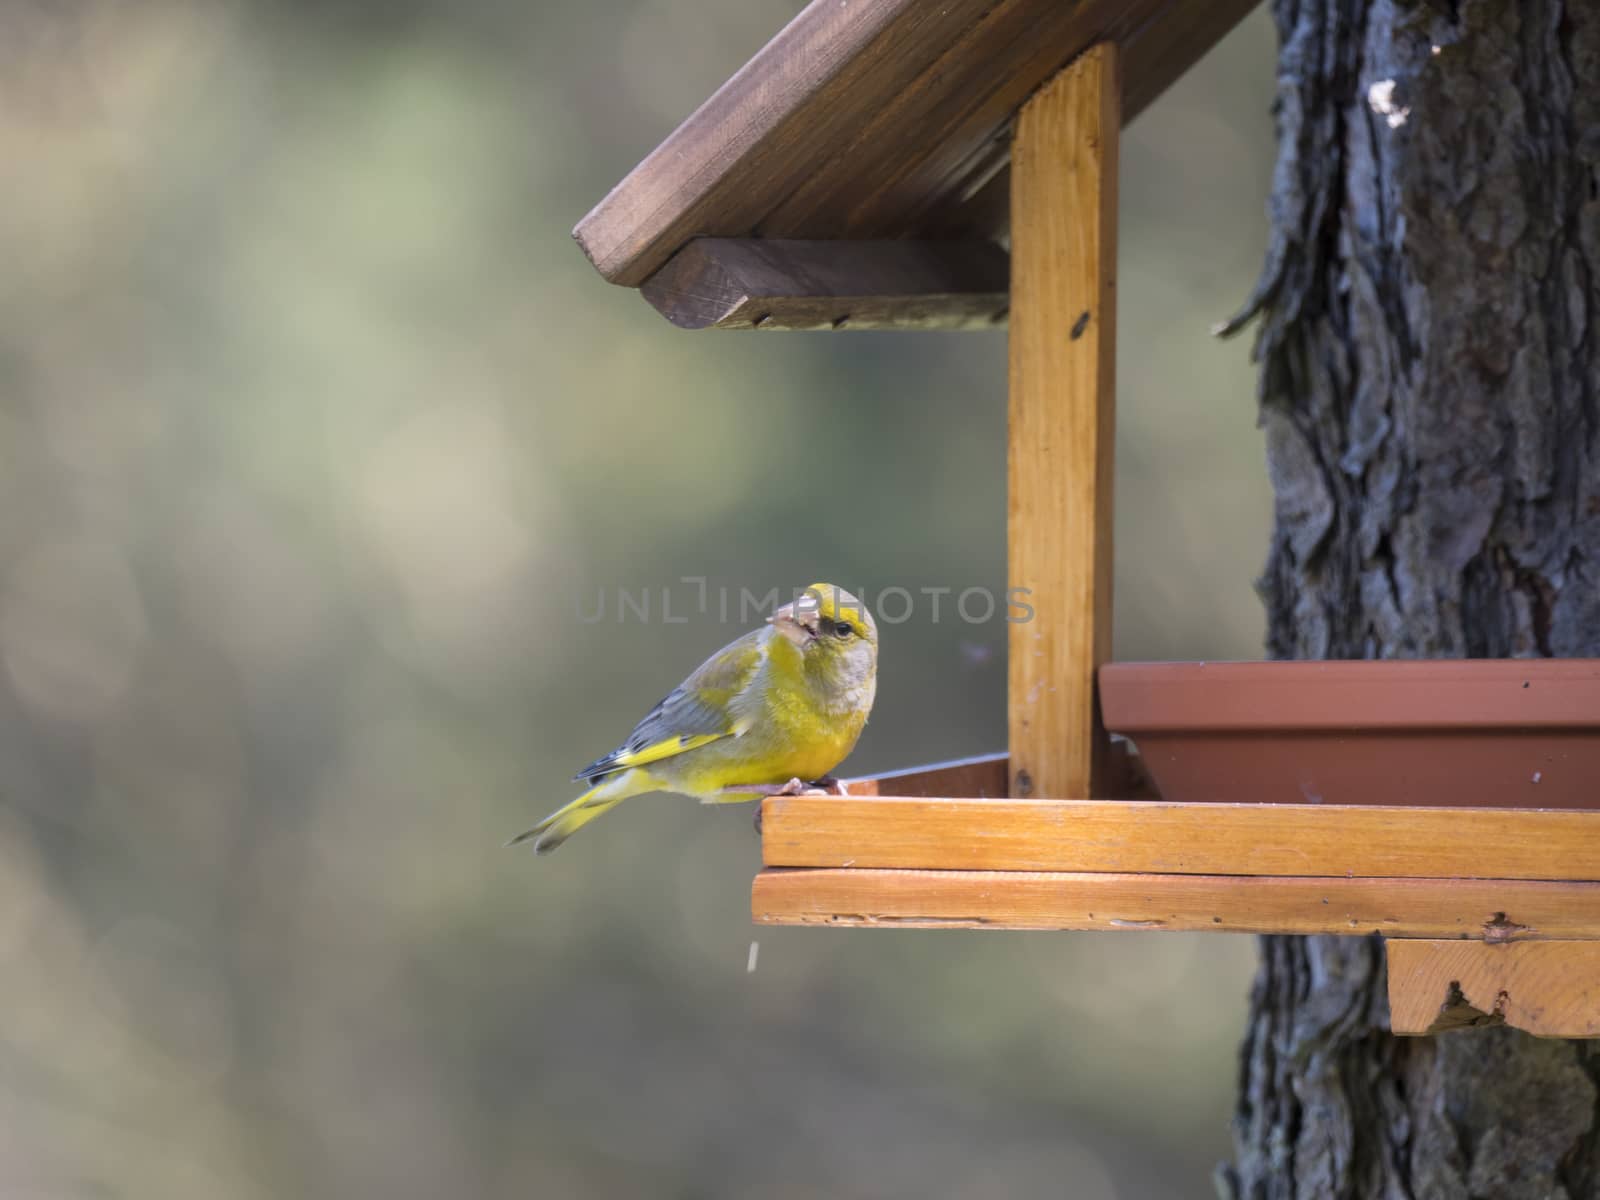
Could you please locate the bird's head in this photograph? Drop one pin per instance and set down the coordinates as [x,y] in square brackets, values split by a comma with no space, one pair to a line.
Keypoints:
[831,627]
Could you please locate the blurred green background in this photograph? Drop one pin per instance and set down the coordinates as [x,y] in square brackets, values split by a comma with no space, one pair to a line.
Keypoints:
[316,431]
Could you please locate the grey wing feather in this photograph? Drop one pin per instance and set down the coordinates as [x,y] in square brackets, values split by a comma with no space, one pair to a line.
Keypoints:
[697,707]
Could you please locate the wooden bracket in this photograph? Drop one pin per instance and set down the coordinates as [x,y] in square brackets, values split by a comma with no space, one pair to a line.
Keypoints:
[760,283]
[1549,989]
[1062,427]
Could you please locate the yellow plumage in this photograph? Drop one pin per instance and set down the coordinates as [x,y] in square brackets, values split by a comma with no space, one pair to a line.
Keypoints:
[783,702]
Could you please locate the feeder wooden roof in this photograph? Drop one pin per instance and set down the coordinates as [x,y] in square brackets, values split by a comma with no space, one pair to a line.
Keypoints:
[879,119]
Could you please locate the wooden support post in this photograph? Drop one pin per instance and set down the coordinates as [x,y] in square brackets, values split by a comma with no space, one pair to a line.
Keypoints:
[1062,423]
[1550,989]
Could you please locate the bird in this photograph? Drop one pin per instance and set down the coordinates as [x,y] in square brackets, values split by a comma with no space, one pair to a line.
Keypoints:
[769,712]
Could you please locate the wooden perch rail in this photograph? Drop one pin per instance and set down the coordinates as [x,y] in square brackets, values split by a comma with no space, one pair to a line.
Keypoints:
[1141,836]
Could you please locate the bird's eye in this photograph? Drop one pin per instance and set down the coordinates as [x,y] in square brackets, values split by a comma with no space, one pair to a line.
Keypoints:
[844,629]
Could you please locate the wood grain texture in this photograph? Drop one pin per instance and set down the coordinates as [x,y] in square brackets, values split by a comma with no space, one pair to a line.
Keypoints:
[1424,908]
[764,283]
[878,118]
[1549,989]
[1195,839]
[1062,428]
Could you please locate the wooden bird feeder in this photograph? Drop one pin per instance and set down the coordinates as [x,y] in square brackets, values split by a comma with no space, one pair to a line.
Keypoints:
[865,170]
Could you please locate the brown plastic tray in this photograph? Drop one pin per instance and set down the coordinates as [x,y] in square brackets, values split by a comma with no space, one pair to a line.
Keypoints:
[1504,733]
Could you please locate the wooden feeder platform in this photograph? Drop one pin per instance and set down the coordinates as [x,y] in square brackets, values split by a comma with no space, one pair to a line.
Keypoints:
[1465,898]
[898,164]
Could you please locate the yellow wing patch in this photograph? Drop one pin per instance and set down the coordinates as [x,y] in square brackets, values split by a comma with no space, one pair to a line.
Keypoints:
[666,748]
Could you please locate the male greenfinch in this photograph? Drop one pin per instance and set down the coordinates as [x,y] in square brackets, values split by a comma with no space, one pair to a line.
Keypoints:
[782,705]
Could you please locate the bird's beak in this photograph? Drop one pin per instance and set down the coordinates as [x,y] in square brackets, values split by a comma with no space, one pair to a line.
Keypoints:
[799,628]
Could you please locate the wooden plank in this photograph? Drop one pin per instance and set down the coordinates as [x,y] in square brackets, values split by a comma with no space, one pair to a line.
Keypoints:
[1424,908]
[877,118]
[1549,989]
[1061,445]
[1193,839]
[757,283]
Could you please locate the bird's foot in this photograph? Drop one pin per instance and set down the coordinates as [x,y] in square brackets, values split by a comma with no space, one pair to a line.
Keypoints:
[826,786]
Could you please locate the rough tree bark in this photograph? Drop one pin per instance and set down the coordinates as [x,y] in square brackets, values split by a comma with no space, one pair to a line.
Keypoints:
[1430,391]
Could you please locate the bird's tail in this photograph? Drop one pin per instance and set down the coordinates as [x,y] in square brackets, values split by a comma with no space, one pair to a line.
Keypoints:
[571,817]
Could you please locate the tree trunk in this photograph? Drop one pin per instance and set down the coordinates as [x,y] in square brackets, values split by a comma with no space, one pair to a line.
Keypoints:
[1430,390]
